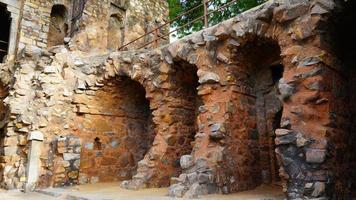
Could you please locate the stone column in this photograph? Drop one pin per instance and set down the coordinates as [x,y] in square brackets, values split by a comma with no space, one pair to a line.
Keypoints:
[33,165]
[13,34]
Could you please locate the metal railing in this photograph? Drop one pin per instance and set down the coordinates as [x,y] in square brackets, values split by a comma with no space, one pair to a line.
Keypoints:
[3,42]
[156,31]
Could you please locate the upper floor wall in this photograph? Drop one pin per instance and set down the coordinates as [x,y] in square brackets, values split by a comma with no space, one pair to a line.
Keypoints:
[83,24]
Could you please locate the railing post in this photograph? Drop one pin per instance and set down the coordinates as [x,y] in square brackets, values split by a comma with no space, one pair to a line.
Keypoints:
[206,17]
[156,38]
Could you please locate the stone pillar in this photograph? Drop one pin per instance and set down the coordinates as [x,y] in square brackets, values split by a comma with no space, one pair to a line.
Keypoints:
[13,34]
[33,165]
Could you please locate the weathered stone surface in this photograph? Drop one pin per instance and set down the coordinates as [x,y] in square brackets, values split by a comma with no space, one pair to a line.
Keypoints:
[208,77]
[315,155]
[212,96]
[186,161]
[285,89]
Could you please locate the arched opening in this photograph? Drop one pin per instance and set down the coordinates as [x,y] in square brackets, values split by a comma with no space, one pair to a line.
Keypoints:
[267,70]
[256,112]
[115,32]
[58,29]
[342,134]
[5,21]
[116,128]
[186,104]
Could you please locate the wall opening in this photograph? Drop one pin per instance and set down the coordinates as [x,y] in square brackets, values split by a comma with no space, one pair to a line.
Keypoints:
[3,113]
[186,107]
[116,132]
[97,144]
[5,21]
[250,157]
[116,31]
[58,29]
[268,70]
[343,103]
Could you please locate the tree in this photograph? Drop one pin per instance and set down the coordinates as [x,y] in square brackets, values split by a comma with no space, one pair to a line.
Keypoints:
[177,7]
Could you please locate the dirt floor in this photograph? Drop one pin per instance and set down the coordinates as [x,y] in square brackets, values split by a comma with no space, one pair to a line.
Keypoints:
[112,191]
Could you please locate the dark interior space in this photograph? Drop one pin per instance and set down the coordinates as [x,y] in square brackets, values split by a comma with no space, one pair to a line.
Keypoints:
[266,73]
[5,22]
[342,38]
[251,157]
[186,104]
[58,29]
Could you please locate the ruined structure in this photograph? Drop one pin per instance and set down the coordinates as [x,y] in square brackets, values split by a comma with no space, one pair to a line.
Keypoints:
[264,97]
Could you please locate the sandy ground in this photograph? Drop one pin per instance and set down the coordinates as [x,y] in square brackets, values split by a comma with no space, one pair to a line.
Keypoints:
[112,191]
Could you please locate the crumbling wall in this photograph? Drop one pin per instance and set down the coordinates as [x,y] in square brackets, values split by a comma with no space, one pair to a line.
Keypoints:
[137,17]
[91,29]
[59,27]
[237,110]
[36,20]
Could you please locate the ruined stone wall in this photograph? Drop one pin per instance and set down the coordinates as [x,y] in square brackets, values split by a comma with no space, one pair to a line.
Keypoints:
[137,17]
[35,23]
[234,109]
[141,18]
[91,30]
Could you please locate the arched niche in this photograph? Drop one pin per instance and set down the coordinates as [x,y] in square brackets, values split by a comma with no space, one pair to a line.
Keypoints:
[116,129]
[58,29]
[249,150]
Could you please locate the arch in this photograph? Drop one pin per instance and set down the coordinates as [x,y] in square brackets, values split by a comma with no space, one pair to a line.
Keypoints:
[185,82]
[58,29]
[177,104]
[256,111]
[5,18]
[118,131]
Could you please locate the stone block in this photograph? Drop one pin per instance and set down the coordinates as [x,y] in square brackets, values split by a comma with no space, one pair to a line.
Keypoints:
[203,178]
[192,178]
[177,190]
[208,77]
[286,139]
[186,161]
[71,156]
[319,189]
[11,150]
[283,132]
[315,155]
[36,135]
[10,141]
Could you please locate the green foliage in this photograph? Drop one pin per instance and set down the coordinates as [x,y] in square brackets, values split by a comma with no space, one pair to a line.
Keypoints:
[177,7]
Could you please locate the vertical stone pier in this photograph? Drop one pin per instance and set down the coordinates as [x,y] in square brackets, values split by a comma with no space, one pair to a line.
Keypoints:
[33,166]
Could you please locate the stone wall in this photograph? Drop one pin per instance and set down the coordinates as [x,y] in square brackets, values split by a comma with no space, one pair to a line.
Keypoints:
[35,22]
[91,29]
[215,100]
[12,8]
[116,129]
